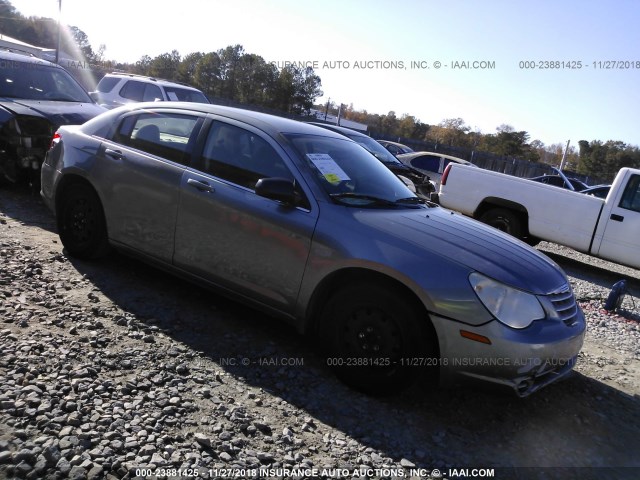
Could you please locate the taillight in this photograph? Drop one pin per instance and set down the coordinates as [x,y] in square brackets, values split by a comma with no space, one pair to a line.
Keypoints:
[54,141]
[445,174]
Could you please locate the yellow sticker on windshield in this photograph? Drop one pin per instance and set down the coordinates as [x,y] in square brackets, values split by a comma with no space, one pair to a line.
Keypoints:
[332,178]
[328,167]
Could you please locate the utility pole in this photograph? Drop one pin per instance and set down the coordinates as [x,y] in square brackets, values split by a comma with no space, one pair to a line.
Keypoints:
[339,114]
[58,46]
[564,156]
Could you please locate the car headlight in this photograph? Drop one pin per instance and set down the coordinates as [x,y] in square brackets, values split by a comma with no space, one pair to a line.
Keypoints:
[511,306]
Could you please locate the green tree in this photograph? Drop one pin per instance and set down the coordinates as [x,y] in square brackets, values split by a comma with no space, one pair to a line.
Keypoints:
[255,80]
[143,66]
[207,74]
[389,123]
[451,131]
[307,87]
[229,63]
[187,68]
[406,126]
[79,44]
[165,65]
[284,90]
[604,160]
[508,142]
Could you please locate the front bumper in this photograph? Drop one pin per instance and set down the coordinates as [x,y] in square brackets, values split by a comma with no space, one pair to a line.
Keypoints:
[523,360]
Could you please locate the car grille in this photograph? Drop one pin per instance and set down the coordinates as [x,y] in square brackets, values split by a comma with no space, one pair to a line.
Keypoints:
[564,304]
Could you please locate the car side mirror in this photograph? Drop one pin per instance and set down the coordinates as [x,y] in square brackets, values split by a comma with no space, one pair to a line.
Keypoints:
[95,96]
[280,189]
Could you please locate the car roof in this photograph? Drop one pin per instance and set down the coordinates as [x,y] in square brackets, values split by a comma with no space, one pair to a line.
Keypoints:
[339,129]
[25,57]
[412,155]
[552,175]
[159,81]
[268,123]
[394,143]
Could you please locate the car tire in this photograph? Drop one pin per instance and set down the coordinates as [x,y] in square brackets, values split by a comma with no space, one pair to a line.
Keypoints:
[376,341]
[81,223]
[504,220]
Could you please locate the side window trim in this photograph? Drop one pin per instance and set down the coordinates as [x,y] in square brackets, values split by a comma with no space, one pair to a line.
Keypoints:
[122,134]
[240,147]
[155,90]
[130,90]
[199,151]
[631,196]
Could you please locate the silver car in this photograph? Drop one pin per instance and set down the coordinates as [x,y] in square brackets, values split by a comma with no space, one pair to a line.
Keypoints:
[431,163]
[305,224]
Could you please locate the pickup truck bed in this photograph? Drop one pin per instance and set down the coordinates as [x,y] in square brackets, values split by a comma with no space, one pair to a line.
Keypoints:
[561,216]
[607,228]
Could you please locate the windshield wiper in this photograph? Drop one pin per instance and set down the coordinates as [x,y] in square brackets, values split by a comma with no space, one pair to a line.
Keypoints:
[360,196]
[375,200]
[411,201]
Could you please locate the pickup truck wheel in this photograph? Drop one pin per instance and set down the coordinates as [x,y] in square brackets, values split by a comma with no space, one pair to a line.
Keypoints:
[504,220]
[376,341]
[81,223]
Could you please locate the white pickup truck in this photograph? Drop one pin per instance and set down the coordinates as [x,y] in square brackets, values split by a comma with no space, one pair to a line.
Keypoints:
[532,211]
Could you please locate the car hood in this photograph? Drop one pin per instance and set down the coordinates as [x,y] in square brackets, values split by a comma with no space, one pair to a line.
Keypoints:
[472,244]
[57,113]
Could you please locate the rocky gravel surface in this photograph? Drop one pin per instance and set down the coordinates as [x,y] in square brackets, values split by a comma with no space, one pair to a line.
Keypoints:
[115,370]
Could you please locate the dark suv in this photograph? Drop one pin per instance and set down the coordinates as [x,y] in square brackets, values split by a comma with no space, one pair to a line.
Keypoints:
[36,97]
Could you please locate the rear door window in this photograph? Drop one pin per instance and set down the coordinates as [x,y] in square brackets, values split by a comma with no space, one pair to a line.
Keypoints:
[427,163]
[141,91]
[167,135]
[107,83]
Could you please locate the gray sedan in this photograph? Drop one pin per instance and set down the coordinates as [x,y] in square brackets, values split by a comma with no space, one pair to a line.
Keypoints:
[305,224]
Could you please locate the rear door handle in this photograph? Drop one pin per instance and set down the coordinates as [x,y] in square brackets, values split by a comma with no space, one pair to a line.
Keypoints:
[117,154]
[200,185]
[617,218]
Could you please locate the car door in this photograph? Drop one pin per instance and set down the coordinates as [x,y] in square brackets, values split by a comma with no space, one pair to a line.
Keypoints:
[232,237]
[139,173]
[621,238]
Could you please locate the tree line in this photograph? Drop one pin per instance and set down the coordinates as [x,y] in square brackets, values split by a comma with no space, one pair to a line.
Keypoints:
[593,158]
[229,73]
[233,74]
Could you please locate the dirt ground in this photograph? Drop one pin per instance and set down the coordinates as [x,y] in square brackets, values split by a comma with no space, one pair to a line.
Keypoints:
[587,426]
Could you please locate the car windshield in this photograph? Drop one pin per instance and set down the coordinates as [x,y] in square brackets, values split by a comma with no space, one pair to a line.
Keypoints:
[32,81]
[350,175]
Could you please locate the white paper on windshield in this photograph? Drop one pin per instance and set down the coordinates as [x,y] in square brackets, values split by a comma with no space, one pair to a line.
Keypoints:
[328,167]
[172,96]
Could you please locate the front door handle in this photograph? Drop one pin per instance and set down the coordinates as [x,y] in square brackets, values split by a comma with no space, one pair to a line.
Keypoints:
[200,185]
[117,154]
[617,218]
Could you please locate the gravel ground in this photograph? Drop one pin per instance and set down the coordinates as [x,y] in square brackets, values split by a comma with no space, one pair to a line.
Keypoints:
[114,370]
